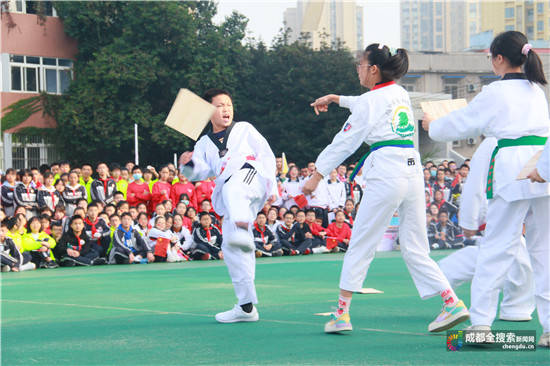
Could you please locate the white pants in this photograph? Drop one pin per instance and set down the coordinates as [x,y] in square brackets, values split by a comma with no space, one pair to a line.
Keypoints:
[499,251]
[244,196]
[518,289]
[381,199]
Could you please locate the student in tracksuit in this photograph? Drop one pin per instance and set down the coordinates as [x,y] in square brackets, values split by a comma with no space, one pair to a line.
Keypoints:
[285,234]
[48,196]
[244,165]
[25,194]
[128,245]
[394,180]
[514,110]
[8,192]
[73,193]
[518,290]
[207,240]
[103,188]
[266,243]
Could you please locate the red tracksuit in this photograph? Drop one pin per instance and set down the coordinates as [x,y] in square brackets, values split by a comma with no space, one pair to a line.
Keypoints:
[204,191]
[157,194]
[138,193]
[184,188]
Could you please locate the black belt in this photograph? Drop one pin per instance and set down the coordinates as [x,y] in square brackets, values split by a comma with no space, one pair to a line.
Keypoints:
[245,166]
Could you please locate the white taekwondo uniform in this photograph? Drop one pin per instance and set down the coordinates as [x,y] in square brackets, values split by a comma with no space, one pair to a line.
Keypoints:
[509,109]
[518,289]
[394,180]
[239,195]
[543,165]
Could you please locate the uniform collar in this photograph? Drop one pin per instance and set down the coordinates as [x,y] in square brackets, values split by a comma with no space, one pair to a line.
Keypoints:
[381,85]
[514,76]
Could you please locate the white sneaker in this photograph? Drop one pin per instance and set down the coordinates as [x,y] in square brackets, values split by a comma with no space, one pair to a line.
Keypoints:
[544,340]
[321,250]
[242,239]
[238,315]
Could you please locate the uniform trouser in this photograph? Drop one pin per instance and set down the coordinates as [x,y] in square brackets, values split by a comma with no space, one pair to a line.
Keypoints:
[274,247]
[300,246]
[122,257]
[243,197]
[202,249]
[499,251]
[381,199]
[518,289]
[343,246]
[83,260]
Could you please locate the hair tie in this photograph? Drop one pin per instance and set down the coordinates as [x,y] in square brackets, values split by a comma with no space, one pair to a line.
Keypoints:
[526,48]
[393,51]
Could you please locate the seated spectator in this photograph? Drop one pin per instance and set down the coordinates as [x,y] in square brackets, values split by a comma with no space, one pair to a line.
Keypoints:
[272,222]
[442,184]
[181,209]
[291,188]
[39,245]
[97,230]
[281,214]
[142,224]
[110,209]
[57,231]
[142,208]
[451,209]
[72,193]
[46,222]
[447,235]
[302,237]
[160,210]
[340,232]
[48,196]
[284,234]
[12,258]
[206,206]
[133,212]
[266,244]
[162,242]
[75,247]
[192,215]
[319,233]
[207,240]
[83,204]
[122,207]
[181,231]
[128,245]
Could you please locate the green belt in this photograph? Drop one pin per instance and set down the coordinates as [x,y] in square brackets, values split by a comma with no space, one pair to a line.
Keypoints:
[522,141]
[376,146]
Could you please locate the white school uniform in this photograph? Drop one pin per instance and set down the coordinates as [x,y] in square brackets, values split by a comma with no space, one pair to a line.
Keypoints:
[239,194]
[519,287]
[336,194]
[394,180]
[291,189]
[507,109]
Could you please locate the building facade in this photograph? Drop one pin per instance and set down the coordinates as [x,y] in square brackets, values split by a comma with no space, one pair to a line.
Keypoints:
[35,56]
[326,21]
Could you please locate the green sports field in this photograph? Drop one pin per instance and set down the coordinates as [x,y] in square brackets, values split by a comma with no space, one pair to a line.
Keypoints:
[162,314]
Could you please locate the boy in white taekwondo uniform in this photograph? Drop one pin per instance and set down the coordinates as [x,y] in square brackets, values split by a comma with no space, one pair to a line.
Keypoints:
[514,110]
[518,289]
[383,119]
[244,165]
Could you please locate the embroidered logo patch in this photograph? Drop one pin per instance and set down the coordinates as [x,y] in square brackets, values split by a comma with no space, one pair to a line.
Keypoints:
[347,127]
[402,121]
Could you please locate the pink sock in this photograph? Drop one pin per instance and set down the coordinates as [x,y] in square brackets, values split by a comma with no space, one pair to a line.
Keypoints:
[343,305]
[449,297]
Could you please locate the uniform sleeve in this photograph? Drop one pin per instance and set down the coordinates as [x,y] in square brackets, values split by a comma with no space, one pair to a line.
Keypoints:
[17,196]
[198,168]
[543,166]
[40,199]
[347,141]
[141,244]
[348,101]
[470,121]
[342,198]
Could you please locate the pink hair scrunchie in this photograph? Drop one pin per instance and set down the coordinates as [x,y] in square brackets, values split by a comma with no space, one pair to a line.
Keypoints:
[526,48]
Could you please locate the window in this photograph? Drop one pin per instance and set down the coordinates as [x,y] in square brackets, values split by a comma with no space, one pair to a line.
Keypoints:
[439,25]
[540,8]
[509,28]
[35,74]
[530,32]
[540,25]
[473,8]
[509,12]
[452,89]
[439,42]
[32,7]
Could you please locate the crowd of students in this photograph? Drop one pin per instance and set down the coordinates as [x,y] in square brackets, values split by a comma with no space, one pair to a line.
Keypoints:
[61,215]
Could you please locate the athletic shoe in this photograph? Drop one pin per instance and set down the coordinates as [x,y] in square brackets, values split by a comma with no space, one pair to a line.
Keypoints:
[335,250]
[518,318]
[320,250]
[277,253]
[544,340]
[294,252]
[237,314]
[337,324]
[449,317]
[307,251]
[205,256]
[51,264]
[68,261]
[6,269]
[99,261]
[241,238]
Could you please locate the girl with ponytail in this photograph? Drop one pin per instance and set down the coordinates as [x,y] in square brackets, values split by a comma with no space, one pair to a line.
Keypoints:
[394,180]
[514,110]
